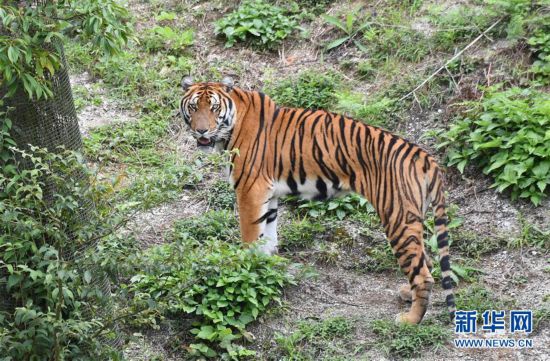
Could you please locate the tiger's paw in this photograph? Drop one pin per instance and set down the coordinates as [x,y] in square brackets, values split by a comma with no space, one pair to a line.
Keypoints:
[404,318]
[269,248]
[405,293]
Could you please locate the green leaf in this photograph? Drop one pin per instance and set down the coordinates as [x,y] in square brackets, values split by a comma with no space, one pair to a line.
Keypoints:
[335,22]
[337,42]
[206,333]
[542,169]
[87,276]
[13,54]
[460,166]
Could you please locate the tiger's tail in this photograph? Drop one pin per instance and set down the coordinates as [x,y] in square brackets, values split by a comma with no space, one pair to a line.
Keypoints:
[441,230]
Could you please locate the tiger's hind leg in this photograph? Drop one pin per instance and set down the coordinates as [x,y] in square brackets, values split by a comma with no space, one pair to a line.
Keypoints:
[405,293]
[408,247]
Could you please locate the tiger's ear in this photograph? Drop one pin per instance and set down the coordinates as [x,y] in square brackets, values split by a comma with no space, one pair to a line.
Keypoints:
[186,82]
[228,82]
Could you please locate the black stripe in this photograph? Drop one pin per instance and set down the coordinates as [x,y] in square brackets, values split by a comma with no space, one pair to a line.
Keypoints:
[445,263]
[266,215]
[450,300]
[292,184]
[416,270]
[440,221]
[447,283]
[321,188]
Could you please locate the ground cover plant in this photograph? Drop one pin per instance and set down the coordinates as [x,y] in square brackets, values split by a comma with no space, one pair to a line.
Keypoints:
[505,134]
[258,22]
[222,285]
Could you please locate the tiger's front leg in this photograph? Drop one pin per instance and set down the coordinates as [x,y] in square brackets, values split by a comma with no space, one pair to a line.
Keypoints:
[258,217]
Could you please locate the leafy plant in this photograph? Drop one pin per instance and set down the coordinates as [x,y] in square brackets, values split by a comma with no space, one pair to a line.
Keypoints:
[222,286]
[258,22]
[349,27]
[338,207]
[458,24]
[33,34]
[506,134]
[407,341]
[310,90]
[379,258]
[540,45]
[153,186]
[119,142]
[53,292]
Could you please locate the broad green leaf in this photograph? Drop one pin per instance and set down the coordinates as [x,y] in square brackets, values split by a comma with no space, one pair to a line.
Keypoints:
[337,42]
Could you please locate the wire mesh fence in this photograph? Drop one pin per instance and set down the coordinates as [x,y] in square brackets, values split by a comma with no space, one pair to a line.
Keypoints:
[49,124]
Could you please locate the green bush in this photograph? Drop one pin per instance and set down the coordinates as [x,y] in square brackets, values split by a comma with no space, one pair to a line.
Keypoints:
[310,90]
[57,300]
[221,225]
[540,45]
[506,133]
[258,22]
[407,341]
[351,26]
[221,285]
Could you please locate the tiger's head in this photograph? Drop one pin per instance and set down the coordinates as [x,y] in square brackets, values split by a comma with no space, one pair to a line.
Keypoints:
[208,111]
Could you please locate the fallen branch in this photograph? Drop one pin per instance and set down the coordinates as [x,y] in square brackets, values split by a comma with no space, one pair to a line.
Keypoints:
[457,55]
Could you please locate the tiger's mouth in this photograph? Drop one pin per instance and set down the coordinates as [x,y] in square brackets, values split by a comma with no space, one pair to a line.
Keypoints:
[205,142]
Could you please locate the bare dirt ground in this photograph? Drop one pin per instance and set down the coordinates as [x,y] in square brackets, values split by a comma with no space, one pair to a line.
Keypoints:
[508,273]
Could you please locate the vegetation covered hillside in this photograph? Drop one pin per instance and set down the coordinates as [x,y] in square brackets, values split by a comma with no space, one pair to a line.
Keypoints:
[468,80]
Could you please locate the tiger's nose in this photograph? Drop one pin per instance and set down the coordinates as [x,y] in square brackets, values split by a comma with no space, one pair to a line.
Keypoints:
[202,131]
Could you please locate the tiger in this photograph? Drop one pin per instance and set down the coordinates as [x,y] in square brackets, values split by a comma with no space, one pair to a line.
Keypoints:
[317,154]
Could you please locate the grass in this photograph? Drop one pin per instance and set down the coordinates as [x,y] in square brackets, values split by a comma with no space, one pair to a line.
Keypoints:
[407,341]
[479,298]
[472,245]
[221,225]
[131,143]
[310,89]
[329,339]
[220,195]
[300,233]
[531,236]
